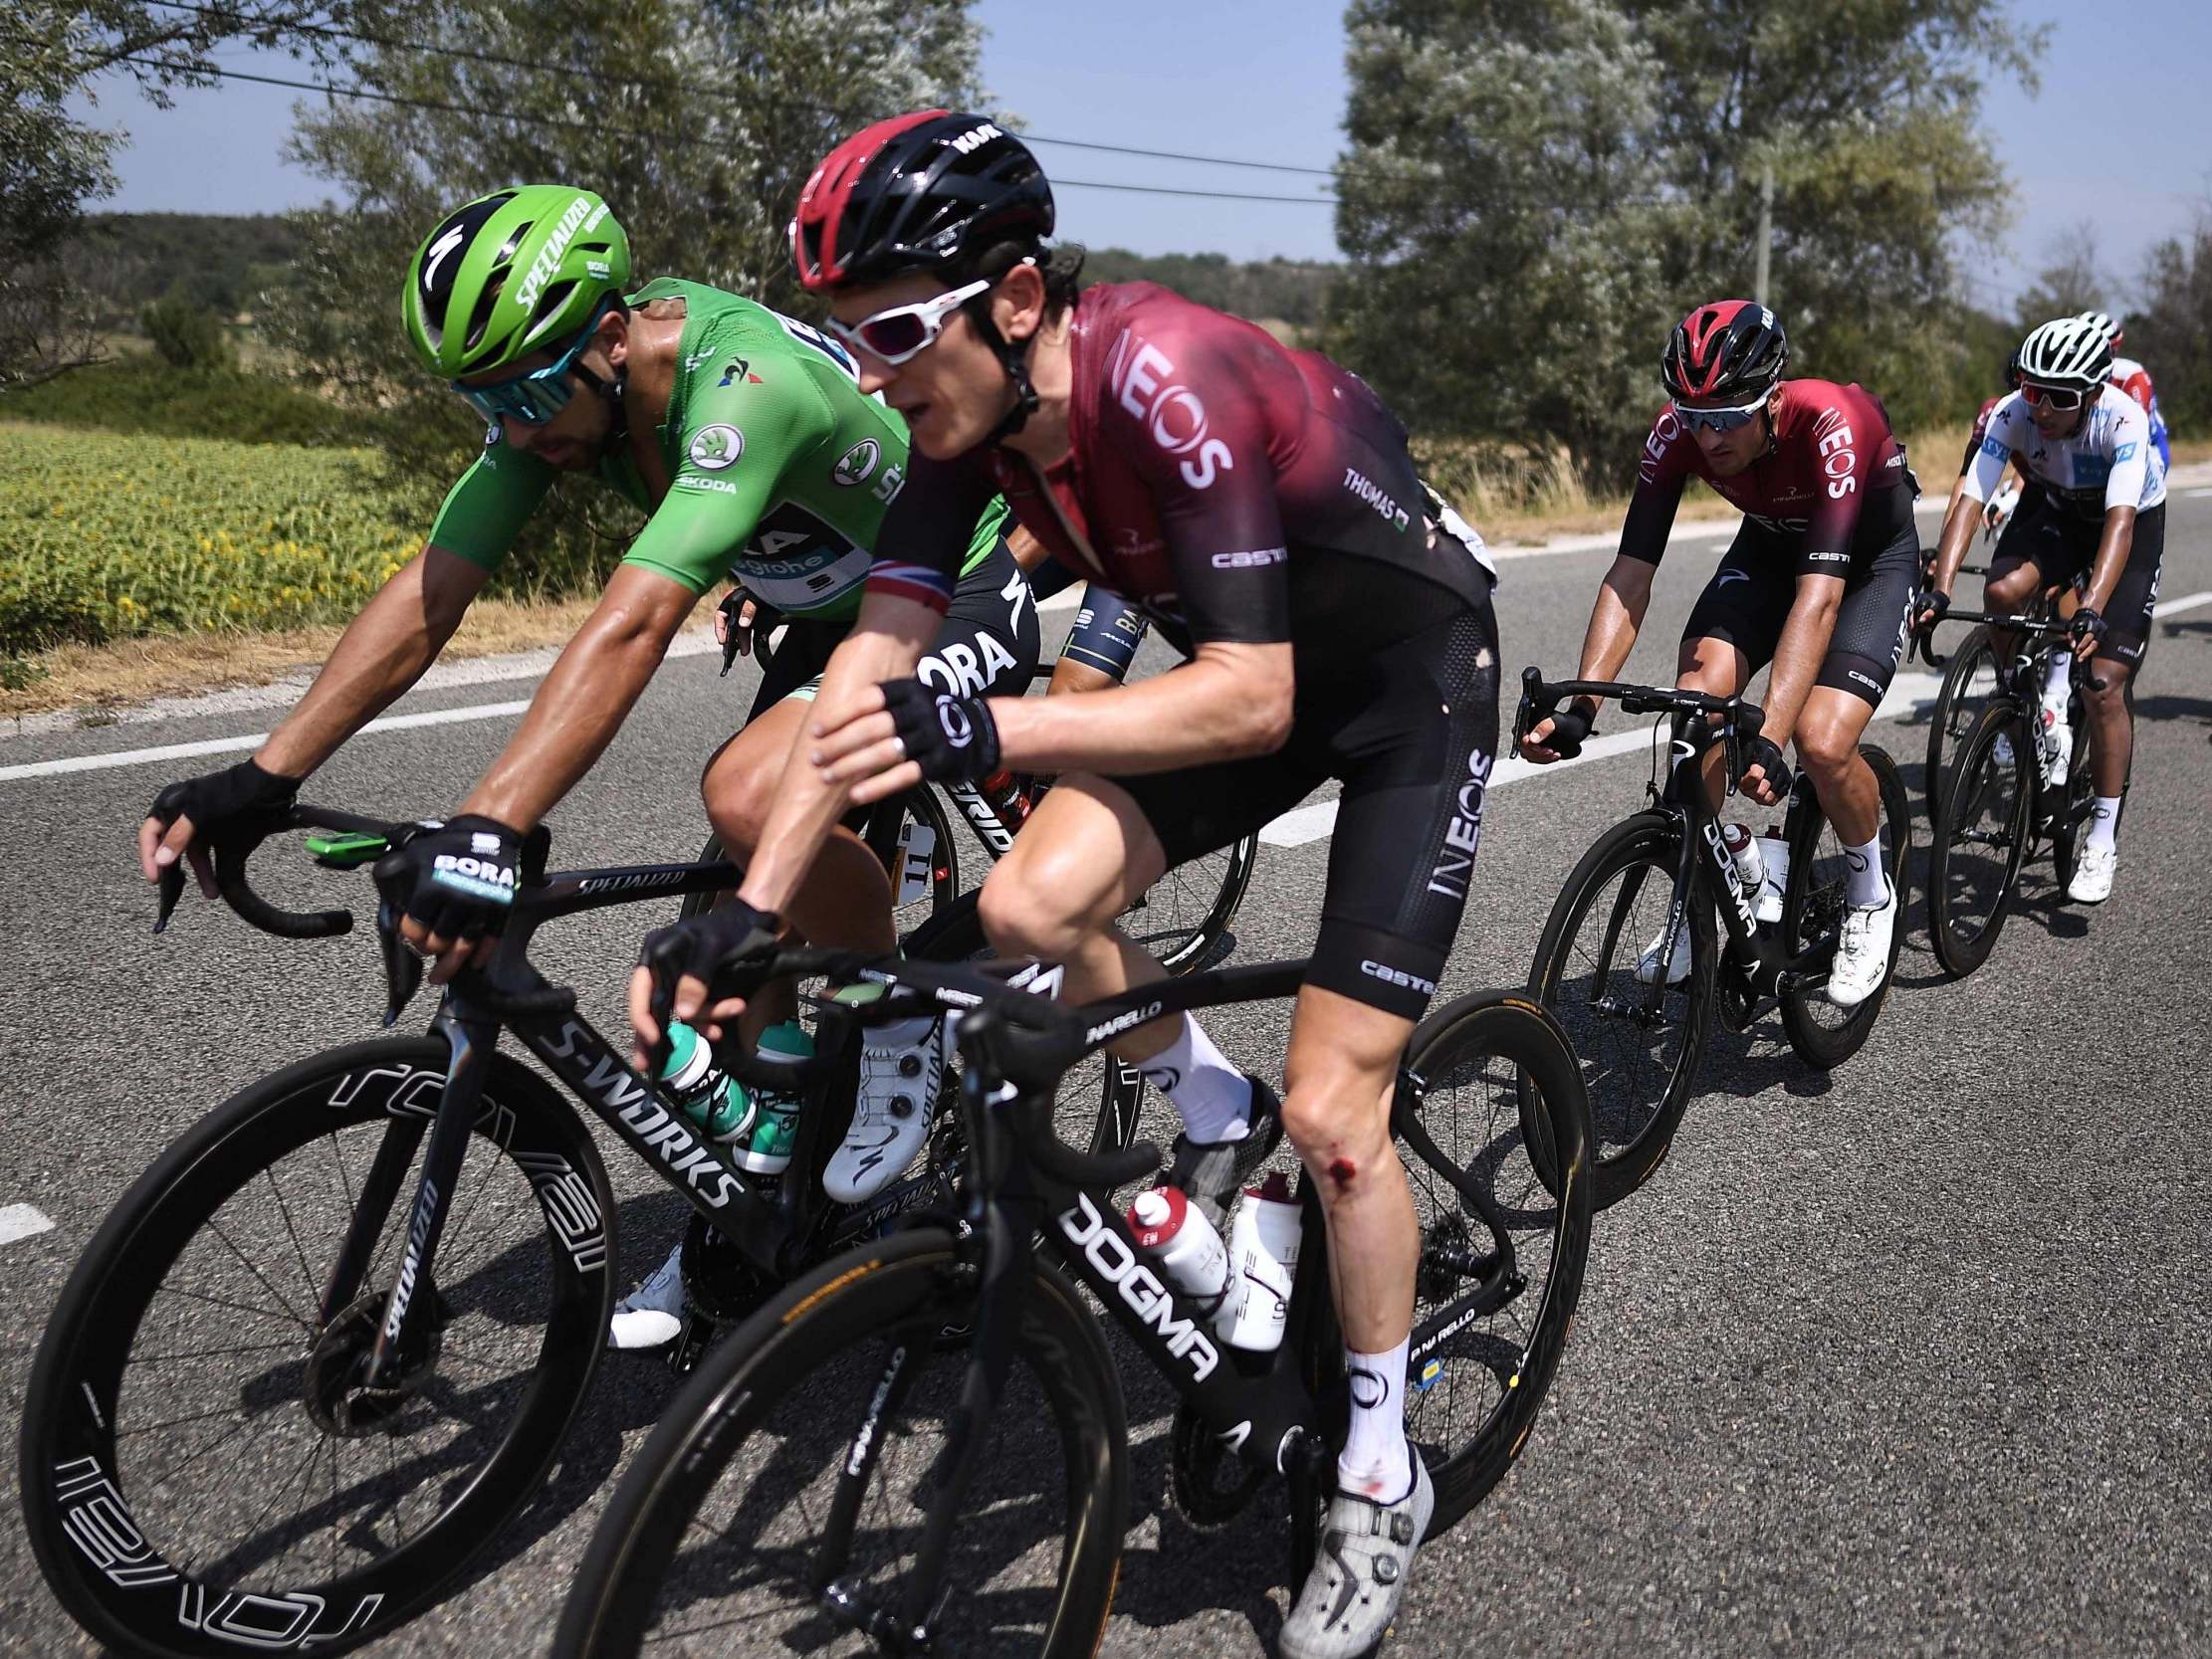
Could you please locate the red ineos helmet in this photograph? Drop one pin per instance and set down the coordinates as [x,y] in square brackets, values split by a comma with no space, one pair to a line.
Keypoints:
[931,191]
[1732,349]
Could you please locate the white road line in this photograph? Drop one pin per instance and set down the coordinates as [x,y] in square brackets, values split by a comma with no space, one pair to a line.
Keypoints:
[1316,822]
[2194,493]
[17,1221]
[252,740]
[2187,602]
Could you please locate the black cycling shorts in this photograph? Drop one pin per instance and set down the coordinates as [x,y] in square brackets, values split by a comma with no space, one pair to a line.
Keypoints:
[1411,734]
[1749,598]
[986,644]
[2063,549]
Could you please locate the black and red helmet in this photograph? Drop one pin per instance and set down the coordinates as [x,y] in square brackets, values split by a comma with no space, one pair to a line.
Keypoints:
[1731,348]
[932,191]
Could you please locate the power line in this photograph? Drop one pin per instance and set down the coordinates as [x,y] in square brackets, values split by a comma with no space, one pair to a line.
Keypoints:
[441,105]
[678,84]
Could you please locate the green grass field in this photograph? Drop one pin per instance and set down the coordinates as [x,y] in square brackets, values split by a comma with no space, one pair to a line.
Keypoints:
[105,536]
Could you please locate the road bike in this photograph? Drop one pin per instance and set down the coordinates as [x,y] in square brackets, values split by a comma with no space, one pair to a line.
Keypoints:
[836,1476]
[1660,876]
[328,1345]
[1997,807]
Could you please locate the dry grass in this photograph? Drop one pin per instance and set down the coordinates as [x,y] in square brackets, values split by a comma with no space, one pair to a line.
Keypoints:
[132,671]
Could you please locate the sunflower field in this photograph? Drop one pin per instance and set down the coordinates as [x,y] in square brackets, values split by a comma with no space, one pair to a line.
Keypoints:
[105,535]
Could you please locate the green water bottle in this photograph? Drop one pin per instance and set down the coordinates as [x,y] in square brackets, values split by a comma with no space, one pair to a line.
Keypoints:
[713,1102]
[767,1149]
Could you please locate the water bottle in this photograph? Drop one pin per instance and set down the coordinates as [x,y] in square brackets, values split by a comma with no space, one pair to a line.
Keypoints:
[1263,1243]
[767,1149]
[710,1100]
[1743,847]
[1008,798]
[1774,862]
[1185,1245]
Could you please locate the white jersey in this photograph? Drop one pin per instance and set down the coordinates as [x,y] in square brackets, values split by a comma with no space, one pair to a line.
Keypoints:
[2108,461]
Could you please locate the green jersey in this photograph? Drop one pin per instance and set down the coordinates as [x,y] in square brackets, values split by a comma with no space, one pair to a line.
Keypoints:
[778,467]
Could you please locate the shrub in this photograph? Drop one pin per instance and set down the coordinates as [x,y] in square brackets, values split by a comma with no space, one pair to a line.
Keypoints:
[188,336]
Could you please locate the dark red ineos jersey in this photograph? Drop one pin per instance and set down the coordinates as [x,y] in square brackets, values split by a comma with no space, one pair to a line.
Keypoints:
[1236,490]
[1834,481]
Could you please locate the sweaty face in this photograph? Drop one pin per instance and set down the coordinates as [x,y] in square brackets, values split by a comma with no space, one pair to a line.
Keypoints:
[573,439]
[952,392]
[2060,423]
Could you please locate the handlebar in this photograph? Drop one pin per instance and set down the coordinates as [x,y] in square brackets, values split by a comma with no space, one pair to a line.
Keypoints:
[1923,639]
[1540,700]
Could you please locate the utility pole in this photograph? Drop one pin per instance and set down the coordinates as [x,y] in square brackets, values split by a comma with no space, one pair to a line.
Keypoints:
[1766,229]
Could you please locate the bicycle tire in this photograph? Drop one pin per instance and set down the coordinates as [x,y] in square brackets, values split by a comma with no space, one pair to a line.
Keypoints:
[1959,946]
[110,1562]
[1952,720]
[810,1346]
[1211,940]
[1806,909]
[2072,812]
[1518,1045]
[886,834]
[1631,1130]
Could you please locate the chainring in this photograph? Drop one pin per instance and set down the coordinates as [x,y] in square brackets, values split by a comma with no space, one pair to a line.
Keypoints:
[1210,1484]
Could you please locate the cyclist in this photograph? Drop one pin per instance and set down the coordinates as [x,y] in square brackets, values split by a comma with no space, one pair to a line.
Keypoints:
[2133,379]
[1261,506]
[2097,519]
[745,437]
[1819,581]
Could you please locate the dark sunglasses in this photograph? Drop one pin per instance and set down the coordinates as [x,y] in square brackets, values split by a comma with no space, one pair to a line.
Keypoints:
[534,398]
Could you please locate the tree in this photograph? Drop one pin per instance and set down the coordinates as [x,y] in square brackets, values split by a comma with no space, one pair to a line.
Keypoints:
[697,120]
[2070,284]
[2171,331]
[1533,193]
[51,164]
[187,336]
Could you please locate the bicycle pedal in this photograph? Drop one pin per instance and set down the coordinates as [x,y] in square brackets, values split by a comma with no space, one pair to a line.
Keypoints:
[691,1345]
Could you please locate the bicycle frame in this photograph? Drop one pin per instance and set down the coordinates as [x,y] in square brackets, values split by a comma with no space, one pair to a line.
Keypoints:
[1019,1199]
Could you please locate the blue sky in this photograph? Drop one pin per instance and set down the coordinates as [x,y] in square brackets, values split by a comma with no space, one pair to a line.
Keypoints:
[2117,139]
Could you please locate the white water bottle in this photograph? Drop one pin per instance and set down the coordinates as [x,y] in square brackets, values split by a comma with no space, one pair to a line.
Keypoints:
[1774,862]
[1190,1252]
[1743,847]
[1263,1244]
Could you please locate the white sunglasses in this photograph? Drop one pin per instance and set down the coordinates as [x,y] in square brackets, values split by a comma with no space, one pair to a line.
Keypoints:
[898,334]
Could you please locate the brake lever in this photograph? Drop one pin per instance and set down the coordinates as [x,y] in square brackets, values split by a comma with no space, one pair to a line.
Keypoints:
[403,970]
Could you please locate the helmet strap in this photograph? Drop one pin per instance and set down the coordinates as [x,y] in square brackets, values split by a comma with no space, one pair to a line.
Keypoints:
[1013,358]
[610,393]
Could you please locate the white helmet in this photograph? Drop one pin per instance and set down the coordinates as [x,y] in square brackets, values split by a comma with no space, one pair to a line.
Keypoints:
[2103,323]
[2070,351]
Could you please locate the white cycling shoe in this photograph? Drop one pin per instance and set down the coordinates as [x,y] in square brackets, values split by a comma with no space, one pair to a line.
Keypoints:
[2092,875]
[1648,964]
[652,1314]
[900,1070]
[1358,1580]
[1862,953]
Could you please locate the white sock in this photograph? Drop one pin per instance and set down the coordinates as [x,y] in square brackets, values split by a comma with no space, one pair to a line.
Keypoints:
[2104,823]
[2059,681]
[1213,1097]
[1866,884]
[1376,1461]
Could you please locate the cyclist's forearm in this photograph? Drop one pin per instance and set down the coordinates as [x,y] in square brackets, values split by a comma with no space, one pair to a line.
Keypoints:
[807,806]
[590,692]
[383,650]
[1614,621]
[1229,701]
[2111,556]
[1797,659]
[1958,534]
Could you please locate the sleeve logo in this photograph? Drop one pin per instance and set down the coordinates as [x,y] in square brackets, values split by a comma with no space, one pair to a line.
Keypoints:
[716,447]
[856,465]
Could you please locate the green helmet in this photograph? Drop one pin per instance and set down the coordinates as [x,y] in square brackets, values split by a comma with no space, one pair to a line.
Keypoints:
[510,272]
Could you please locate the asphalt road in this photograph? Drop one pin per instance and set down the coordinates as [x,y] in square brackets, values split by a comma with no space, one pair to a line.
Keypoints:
[1912,1357]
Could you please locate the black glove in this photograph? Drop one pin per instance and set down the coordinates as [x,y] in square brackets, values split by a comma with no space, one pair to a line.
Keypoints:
[1929,609]
[1763,753]
[238,799]
[729,936]
[1570,729]
[460,877]
[2088,624]
[953,738]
